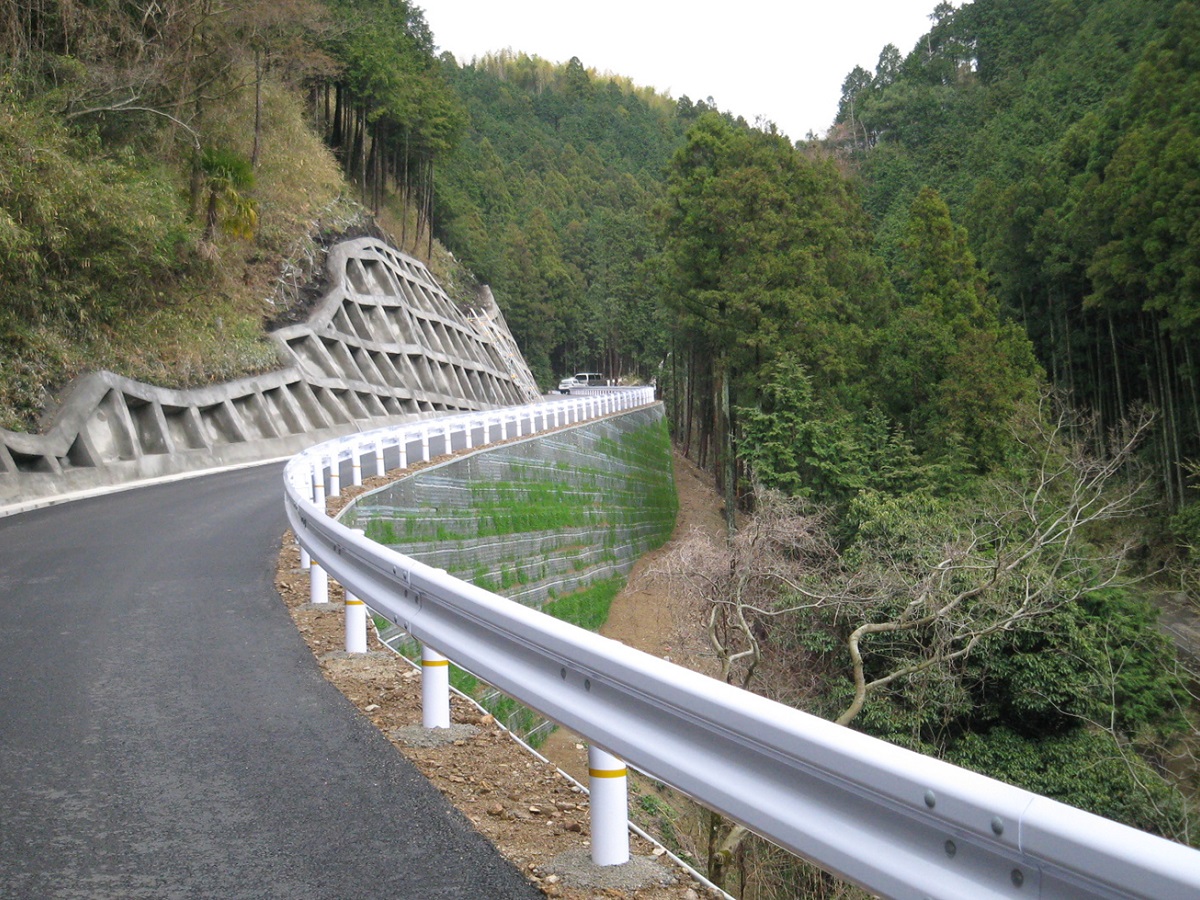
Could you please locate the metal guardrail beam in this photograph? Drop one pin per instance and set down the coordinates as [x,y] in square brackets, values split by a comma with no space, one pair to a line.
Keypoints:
[893,821]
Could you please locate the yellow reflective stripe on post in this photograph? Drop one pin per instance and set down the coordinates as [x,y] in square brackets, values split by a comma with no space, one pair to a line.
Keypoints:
[354,603]
[435,662]
[608,773]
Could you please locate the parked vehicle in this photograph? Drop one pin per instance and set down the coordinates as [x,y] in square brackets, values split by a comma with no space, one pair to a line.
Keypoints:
[580,379]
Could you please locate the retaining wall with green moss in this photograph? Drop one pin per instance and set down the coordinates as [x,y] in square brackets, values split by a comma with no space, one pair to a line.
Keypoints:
[556,521]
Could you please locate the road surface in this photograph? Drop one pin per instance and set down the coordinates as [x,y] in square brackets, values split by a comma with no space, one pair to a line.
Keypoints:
[165,733]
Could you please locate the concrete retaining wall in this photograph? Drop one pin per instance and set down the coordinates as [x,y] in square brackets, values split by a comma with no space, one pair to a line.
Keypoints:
[384,344]
[539,519]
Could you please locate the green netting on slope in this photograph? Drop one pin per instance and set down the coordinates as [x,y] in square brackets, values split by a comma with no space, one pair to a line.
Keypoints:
[537,520]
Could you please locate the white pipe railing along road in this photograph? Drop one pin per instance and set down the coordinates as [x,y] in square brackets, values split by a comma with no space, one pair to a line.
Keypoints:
[895,822]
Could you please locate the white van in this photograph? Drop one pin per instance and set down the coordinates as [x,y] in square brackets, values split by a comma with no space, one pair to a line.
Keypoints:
[581,379]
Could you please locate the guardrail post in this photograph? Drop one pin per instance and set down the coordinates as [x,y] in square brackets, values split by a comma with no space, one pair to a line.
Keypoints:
[467,433]
[435,689]
[424,445]
[356,467]
[404,451]
[607,783]
[356,617]
[319,487]
[318,583]
[335,477]
[380,469]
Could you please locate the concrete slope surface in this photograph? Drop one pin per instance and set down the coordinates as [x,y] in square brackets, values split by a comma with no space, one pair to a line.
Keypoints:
[165,733]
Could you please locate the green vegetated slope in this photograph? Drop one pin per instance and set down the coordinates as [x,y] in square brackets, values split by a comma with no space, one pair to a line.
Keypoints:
[164,174]
[127,194]
[546,522]
[554,523]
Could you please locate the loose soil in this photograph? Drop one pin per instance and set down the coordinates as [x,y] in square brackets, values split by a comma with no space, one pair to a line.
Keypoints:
[535,815]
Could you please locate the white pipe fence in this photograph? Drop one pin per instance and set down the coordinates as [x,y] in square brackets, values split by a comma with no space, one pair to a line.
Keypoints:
[895,822]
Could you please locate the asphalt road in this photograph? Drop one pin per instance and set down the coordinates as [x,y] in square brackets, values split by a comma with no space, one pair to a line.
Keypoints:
[164,733]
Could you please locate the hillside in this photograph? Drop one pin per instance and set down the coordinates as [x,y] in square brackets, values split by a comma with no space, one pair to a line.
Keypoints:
[941,363]
[1064,138]
[168,177]
[548,199]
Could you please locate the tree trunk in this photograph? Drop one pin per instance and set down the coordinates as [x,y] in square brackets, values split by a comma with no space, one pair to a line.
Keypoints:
[362,154]
[258,76]
[337,133]
[429,209]
[1116,364]
[728,462]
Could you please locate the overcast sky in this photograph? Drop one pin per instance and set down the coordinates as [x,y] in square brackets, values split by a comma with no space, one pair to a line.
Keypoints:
[783,61]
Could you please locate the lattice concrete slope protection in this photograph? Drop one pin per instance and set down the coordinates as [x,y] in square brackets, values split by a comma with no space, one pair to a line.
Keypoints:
[537,520]
[384,344]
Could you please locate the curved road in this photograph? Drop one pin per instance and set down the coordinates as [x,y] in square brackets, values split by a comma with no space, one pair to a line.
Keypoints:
[164,732]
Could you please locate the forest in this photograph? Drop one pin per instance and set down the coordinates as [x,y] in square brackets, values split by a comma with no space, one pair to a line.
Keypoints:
[939,361]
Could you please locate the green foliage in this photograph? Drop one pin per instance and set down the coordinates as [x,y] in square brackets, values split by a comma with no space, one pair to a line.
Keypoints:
[855,384]
[950,370]
[766,251]
[1151,186]
[795,446]
[991,625]
[546,199]
[1063,136]
[1101,661]
[587,608]
[1091,675]
[228,179]
[1081,767]
[85,236]
[102,193]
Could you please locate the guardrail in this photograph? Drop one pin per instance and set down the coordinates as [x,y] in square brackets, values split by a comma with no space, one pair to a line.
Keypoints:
[893,821]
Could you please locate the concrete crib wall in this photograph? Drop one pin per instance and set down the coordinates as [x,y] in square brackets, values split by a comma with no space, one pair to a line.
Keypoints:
[539,519]
[384,344]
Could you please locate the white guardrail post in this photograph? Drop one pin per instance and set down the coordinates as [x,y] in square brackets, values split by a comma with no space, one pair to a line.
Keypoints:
[356,617]
[318,582]
[609,801]
[435,688]
[319,485]
[878,815]
[335,476]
